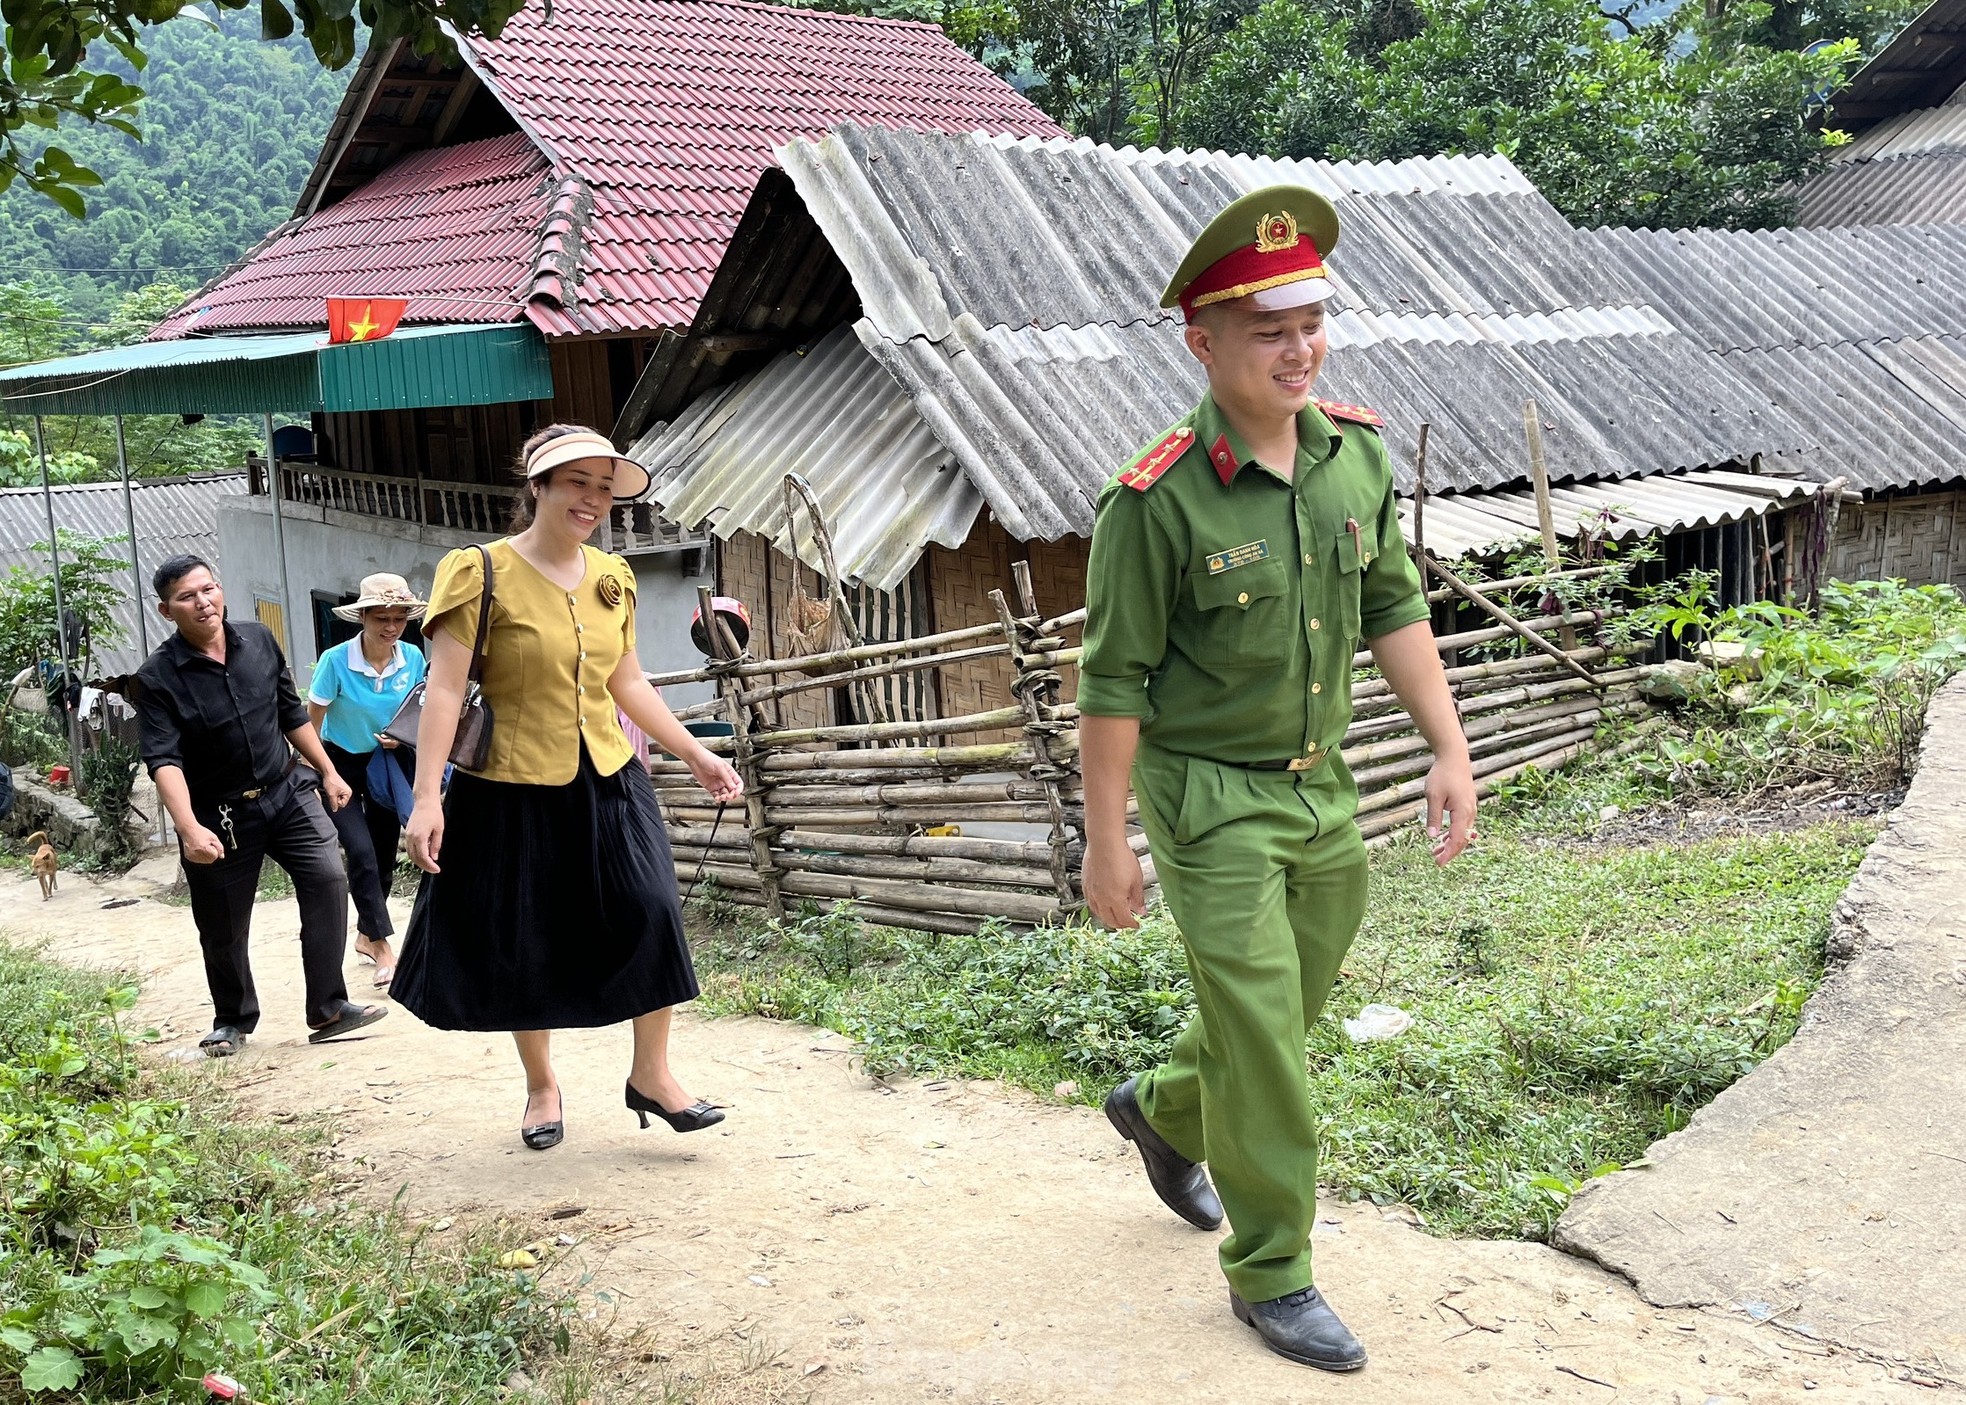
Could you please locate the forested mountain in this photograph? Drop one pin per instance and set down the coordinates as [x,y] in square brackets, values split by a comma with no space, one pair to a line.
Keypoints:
[231,127]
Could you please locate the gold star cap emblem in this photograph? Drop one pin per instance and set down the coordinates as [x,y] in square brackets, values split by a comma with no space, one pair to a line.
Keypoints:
[1276,232]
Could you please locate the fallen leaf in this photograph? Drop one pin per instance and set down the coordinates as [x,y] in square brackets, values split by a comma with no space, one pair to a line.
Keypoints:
[518,1258]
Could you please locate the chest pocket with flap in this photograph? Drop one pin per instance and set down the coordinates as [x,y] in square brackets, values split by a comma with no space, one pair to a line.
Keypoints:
[1239,615]
[1351,583]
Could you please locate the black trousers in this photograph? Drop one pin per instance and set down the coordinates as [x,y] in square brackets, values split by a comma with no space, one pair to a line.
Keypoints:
[289,825]
[369,833]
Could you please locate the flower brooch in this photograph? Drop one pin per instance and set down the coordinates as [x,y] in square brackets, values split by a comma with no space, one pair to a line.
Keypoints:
[610,591]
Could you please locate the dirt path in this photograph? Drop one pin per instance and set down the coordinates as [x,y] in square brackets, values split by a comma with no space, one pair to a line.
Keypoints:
[926,1242]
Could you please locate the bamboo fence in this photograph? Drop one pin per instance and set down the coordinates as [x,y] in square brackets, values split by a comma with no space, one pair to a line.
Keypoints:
[872,813]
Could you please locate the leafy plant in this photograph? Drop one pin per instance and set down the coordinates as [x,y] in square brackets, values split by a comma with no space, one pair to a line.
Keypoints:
[57,65]
[147,1315]
[31,739]
[1842,696]
[129,1266]
[91,575]
[108,774]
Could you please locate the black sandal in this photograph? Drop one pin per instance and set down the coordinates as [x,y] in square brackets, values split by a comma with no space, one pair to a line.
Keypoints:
[223,1042]
[351,1018]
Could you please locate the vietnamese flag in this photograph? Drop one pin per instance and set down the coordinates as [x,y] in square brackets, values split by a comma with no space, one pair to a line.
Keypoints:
[363,319]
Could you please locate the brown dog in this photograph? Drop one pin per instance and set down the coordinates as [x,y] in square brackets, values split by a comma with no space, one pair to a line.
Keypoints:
[44,862]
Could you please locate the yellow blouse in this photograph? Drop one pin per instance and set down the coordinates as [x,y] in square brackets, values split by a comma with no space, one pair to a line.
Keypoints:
[548,656]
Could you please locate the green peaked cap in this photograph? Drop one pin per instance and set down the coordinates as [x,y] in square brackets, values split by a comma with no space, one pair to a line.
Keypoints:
[1236,228]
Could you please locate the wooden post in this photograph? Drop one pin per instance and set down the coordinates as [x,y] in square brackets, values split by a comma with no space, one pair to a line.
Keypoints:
[745,754]
[1539,475]
[1420,495]
[1036,687]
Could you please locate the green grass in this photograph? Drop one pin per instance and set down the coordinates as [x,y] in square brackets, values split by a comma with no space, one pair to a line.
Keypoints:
[1570,1004]
[150,1235]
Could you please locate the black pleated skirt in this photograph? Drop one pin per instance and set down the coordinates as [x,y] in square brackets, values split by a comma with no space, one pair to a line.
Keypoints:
[556,908]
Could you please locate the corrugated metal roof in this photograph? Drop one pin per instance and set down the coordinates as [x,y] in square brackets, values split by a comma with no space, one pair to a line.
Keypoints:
[1941,128]
[1923,63]
[1062,233]
[1857,334]
[830,413]
[1926,188]
[1012,288]
[173,516]
[644,125]
[1477,524]
[295,372]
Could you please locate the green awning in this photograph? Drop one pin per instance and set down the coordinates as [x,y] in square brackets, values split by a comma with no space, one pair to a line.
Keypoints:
[293,373]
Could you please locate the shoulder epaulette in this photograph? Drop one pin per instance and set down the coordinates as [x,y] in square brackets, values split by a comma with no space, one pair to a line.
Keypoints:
[1354,414]
[1147,469]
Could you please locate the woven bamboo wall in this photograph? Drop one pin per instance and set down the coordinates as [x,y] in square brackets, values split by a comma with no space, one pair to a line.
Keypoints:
[960,581]
[749,569]
[1915,537]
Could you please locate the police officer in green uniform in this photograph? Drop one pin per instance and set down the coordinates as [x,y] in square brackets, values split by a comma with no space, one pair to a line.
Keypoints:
[1236,565]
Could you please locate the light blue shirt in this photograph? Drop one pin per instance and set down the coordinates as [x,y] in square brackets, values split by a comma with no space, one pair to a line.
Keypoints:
[359,700]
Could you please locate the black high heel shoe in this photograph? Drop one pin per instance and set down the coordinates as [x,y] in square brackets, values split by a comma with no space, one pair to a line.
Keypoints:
[546,1135]
[693,1118]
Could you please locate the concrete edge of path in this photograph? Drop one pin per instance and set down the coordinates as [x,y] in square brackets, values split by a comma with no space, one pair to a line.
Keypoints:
[1821,1193]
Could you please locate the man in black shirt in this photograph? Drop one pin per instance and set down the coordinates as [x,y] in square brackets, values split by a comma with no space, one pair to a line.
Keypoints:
[218,713]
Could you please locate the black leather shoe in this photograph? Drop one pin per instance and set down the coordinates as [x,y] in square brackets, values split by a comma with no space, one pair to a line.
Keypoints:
[1302,1327]
[693,1118]
[1181,1184]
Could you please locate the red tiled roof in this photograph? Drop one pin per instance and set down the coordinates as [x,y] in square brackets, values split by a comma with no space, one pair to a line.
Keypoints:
[655,119]
[459,225]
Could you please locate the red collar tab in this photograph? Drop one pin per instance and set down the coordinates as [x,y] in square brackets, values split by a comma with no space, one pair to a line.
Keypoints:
[1352,414]
[1253,268]
[1224,459]
[1147,469]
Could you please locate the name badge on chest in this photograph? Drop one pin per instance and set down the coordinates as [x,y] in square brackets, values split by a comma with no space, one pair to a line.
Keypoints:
[1245,555]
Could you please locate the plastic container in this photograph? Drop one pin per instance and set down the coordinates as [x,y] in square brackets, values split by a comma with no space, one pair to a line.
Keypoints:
[58,775]
[701,730]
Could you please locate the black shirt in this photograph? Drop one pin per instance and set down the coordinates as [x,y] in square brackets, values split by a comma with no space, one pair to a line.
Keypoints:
[223,724]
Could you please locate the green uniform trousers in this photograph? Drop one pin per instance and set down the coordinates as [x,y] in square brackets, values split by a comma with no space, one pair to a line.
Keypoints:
[1268,900]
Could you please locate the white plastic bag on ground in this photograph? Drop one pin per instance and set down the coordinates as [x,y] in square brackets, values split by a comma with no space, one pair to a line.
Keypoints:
[1377,1022]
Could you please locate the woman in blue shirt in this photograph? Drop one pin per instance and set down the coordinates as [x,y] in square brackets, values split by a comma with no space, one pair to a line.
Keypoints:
[358,686]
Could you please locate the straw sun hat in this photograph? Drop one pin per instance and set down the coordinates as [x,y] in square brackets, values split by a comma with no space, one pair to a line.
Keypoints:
[381,591]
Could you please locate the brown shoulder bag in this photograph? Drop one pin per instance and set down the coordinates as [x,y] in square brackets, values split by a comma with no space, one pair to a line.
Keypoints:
[471,747]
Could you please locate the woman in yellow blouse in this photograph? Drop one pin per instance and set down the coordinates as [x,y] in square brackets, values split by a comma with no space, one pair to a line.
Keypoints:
[554,905]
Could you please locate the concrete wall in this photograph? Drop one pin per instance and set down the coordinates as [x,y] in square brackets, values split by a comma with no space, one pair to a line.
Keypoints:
[332,551]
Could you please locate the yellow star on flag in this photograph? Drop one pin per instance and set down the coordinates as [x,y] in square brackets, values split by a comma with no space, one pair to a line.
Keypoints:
[359,330]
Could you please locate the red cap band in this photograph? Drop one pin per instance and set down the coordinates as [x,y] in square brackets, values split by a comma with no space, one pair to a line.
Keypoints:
[1251,269]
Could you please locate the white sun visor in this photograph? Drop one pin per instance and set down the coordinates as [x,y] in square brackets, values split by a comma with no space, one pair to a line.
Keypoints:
[1302,293]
